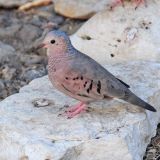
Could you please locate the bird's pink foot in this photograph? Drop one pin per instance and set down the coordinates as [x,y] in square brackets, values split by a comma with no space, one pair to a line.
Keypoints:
[74,110]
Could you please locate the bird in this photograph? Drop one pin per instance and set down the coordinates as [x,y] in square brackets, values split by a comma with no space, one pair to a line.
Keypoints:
[81,77]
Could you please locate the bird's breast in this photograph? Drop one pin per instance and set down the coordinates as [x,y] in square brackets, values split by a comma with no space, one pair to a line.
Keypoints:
[56,70]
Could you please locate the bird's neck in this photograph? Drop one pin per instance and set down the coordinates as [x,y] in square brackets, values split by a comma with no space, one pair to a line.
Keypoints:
[57,59]
[62,52]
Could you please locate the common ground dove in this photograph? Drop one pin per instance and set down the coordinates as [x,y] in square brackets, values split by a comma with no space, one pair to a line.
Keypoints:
[80,77]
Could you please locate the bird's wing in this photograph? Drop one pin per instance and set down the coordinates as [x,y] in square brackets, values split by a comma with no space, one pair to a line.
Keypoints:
[124,83]
[82,86]
[85,77]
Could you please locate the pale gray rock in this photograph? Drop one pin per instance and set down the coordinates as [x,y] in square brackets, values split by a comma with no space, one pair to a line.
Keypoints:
[28,34]
[6,51]
[3,92]
[12,3]
[121,35]
[31,74]
[110,130]
[8,72]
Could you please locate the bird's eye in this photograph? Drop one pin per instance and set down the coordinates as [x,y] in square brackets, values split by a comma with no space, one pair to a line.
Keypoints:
[53,41]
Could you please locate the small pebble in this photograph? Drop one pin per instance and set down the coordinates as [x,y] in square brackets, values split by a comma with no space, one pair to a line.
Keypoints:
[41,102]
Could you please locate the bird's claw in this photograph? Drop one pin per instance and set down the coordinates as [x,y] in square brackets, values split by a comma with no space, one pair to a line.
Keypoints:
[73,114]
[74,110]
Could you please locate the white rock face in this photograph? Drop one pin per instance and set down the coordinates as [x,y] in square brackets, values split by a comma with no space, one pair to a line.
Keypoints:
[122,34]
[110,130]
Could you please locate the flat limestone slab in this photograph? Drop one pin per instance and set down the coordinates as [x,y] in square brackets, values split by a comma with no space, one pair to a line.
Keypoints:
[110,130]
[121,35]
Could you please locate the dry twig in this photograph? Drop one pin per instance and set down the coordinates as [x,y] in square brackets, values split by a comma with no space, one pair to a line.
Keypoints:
[36,3]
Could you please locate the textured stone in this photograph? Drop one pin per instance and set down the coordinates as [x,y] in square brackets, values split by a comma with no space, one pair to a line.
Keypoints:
[28,34]
[110,130]
[80,9]
[12,3]
[31,74]
[122,34]
[6,51]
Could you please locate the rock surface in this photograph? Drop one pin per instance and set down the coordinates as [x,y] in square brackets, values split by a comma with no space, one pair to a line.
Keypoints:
[114,129]
[12,3]
[80,9]
[122,34]
[6,51]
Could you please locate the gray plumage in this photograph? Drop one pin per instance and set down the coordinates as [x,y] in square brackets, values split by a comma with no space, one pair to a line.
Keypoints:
[81,77]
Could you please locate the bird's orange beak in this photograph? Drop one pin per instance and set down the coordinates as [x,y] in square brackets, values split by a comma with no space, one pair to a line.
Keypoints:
[42,45]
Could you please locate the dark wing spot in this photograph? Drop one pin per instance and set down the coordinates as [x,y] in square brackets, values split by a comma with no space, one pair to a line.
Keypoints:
[85,84]
[81,77]
[99,87]
[108,97]
[98,90]
[82,95]
[66,78]
[75,78]
[90,87]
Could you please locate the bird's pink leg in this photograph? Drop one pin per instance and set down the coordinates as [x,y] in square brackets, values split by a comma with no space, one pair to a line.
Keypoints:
[74,110]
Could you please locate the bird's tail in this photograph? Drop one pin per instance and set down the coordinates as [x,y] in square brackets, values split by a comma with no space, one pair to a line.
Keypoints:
[133,99]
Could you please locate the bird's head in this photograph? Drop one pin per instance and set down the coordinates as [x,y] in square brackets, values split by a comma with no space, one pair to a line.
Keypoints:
[56,42]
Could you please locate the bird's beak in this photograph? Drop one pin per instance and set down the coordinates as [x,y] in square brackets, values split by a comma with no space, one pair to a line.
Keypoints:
[42,45]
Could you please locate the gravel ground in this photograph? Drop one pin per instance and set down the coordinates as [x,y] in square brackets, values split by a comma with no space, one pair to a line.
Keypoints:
[21,31]
[153,149]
